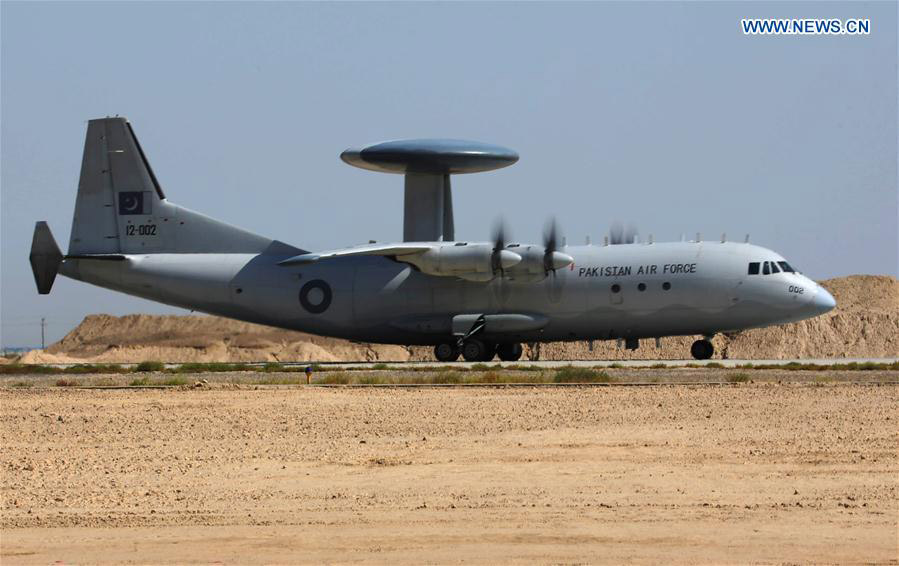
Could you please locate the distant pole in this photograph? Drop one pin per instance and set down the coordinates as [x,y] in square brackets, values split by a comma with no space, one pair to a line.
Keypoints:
[43,325]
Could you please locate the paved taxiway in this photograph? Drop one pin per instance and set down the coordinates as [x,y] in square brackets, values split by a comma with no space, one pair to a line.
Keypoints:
[619,363]
[549,364]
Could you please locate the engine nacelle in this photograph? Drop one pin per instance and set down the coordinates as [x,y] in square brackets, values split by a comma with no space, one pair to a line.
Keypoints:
[532,266]
[474,262]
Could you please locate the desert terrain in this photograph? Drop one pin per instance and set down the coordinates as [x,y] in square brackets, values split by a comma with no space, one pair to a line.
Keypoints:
[770,471]
[695,465]
[865,324]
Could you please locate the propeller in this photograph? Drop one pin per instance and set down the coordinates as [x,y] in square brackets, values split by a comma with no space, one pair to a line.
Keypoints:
[501,258]
[619,234]
[553,259]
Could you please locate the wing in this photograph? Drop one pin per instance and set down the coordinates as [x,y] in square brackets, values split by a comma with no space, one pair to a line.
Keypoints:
[374,249]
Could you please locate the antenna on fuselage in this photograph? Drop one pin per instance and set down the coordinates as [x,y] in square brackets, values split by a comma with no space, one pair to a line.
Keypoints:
[605,241]
[587,240]
[651,240]
[746,241]
[723,237]
[698,237]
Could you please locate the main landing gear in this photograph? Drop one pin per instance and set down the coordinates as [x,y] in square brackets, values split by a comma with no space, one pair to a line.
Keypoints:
[476,350]
[509,352]
[702,349]
[446,352]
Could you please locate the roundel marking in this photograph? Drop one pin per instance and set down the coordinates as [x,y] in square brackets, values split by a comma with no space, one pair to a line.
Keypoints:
[315,296]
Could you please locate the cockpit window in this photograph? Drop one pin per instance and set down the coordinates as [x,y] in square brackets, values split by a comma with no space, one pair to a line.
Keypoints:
[754,268]
[774,268]
[786,267]
[765,269]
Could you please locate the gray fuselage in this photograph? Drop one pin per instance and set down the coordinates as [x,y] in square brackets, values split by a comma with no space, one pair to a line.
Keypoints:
[615,291]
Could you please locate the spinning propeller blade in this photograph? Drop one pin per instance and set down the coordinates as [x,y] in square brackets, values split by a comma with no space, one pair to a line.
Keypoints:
[553,259]
[618,234]
[502,259]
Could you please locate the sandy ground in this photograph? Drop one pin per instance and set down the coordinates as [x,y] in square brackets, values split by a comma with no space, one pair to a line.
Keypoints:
[760,472]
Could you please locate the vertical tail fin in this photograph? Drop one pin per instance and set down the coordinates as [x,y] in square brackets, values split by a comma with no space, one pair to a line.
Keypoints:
[121,209]
[116,180]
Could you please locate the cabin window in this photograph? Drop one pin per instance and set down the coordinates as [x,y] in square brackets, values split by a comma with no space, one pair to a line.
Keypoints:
[786,267]
[641,287]
[765,269]
[754,268]
[616,288]
[666,285]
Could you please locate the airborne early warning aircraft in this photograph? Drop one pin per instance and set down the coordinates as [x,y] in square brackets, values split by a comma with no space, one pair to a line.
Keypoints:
[476,299]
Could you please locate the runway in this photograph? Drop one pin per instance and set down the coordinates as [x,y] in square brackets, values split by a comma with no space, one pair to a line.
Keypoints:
[550,364]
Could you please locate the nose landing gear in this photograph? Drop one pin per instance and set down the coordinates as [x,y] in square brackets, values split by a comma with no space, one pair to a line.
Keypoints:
[702,349]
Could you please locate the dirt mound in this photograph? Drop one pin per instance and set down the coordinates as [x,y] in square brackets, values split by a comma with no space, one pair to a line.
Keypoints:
[865,324]
[102,338]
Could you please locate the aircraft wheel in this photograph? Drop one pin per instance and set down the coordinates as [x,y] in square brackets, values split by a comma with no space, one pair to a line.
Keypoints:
[509,352]
[702,349]
[489,352]
[474,350]
[446,352]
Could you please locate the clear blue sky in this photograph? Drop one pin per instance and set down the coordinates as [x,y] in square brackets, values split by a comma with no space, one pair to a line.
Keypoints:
[663,114]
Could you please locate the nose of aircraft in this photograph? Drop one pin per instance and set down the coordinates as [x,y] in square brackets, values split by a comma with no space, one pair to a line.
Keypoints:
[823,301]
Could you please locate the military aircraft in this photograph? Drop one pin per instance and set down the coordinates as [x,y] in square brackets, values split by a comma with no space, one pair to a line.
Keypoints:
[477,299]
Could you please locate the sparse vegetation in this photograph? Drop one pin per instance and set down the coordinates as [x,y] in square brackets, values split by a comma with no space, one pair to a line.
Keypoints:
[267,379]
[154,373]
[370,379]
[17,369]
[851,366]
[149,366]
[485,367]
[491,377]
[447,377]
[524,367]
[95,368]
[572,374]
[212,367]
[335,378]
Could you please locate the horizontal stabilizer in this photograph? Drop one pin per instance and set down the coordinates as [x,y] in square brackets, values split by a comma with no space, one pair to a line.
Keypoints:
[44,258]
